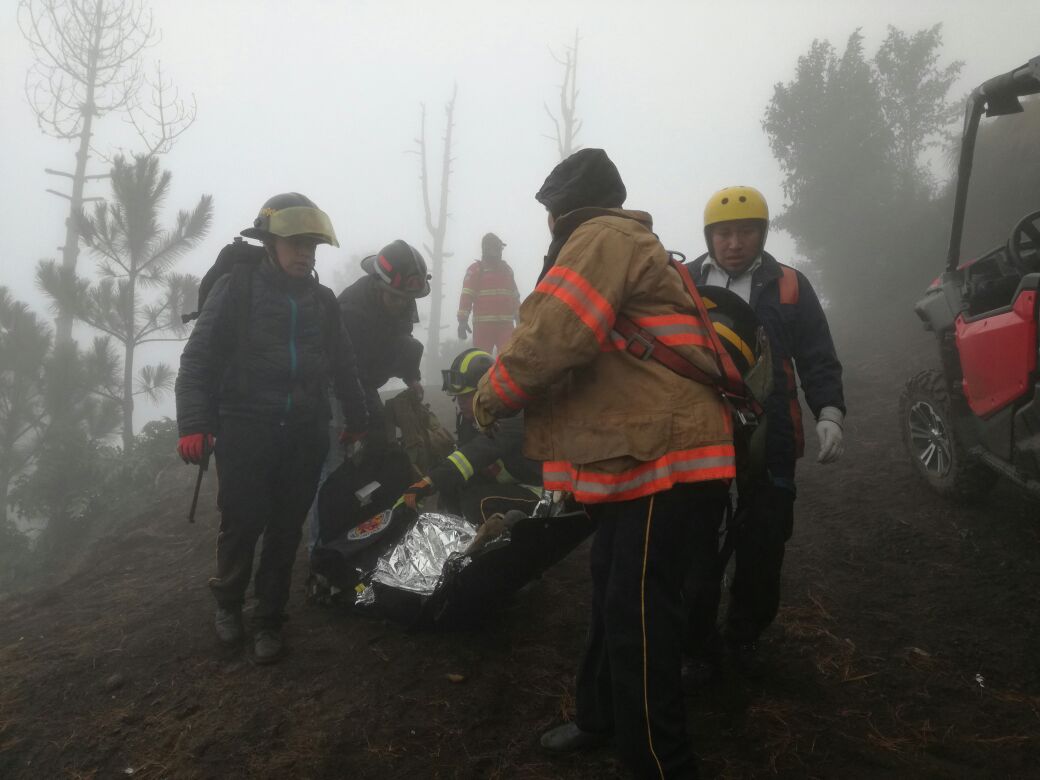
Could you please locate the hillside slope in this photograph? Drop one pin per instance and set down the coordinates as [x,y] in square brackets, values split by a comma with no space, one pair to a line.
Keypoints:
[905,647]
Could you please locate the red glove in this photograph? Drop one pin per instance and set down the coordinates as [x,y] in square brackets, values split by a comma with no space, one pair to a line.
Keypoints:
[349,437]
[194,446]
[414,494]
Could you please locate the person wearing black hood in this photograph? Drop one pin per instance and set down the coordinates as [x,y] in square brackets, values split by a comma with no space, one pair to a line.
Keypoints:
[645,448]
[253,385]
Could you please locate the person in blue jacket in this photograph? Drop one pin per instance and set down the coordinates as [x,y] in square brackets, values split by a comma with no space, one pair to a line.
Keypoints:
[736,222]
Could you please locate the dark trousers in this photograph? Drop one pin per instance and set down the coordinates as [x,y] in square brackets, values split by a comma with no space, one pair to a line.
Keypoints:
[629,679]
[758,558]
[268,474]
[758,549]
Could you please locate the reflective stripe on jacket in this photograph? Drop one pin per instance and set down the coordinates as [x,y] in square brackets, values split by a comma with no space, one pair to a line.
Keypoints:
[500,458]
[489,291]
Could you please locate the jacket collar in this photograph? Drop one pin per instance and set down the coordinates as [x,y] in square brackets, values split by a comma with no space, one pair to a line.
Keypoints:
[767,272]
[569,222]
[572,220]
[710,262]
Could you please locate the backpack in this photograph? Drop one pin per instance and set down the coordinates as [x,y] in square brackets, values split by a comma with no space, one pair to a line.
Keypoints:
[239,254]
[239,259]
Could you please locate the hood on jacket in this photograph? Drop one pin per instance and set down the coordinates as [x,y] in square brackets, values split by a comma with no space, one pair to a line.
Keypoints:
[586,178]
[572,220]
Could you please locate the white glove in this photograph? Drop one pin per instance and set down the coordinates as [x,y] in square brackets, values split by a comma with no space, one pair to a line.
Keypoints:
[829,432]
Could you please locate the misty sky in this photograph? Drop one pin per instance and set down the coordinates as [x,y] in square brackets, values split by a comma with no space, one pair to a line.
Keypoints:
[323,96]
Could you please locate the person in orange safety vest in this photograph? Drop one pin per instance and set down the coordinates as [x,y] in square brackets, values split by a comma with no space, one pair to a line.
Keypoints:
[489,291]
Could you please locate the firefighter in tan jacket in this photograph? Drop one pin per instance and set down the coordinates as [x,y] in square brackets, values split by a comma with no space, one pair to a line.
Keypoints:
[647,450]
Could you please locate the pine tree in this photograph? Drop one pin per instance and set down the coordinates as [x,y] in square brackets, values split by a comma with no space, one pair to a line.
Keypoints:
[134,256]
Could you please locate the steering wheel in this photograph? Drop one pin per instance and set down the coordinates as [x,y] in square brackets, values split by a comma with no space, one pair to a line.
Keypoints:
[1025,236]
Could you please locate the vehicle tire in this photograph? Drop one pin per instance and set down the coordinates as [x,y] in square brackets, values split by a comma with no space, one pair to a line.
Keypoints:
[926,421]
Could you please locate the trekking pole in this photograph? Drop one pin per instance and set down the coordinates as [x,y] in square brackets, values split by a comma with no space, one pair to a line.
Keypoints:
[203,465]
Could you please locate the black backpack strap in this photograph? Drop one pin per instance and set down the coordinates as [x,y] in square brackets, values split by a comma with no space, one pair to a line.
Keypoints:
[240,291]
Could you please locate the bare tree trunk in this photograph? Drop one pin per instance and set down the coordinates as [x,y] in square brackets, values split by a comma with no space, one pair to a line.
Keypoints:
[87,63]
[70,251]
[437,229]
[567,124]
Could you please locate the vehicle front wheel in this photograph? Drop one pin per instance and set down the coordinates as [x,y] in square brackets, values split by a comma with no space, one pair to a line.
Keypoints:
[926,420]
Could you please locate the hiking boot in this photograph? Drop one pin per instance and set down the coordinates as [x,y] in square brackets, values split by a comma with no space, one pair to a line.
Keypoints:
[228,623]
[569,738]
[267,645]
[747,660]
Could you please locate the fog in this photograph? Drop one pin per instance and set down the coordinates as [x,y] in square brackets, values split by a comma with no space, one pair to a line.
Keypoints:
[324,98]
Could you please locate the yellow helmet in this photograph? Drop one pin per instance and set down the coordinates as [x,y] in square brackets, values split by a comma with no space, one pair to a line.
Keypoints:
[732,203]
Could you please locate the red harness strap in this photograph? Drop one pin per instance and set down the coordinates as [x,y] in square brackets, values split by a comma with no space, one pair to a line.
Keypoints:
[730,374]
[788,285]
[644,345]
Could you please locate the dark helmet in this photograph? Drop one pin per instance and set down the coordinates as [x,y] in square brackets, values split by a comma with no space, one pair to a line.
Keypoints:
[401,268]
[466,370]
[491,247]
[736,324]
[291,214]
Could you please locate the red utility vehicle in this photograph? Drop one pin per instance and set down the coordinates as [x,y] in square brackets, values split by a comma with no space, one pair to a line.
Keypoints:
[979,416]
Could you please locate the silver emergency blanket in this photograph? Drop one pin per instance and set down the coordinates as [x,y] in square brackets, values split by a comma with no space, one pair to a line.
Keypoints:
[415,564]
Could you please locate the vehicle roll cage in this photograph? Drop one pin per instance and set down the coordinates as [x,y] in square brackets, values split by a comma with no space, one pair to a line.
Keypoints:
[998,96]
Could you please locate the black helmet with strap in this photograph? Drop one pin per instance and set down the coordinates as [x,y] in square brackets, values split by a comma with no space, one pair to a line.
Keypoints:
[466,370]
[736,324]
[401,268]
[291,214]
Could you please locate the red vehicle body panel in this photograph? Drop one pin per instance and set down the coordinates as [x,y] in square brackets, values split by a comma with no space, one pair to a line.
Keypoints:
[998,355]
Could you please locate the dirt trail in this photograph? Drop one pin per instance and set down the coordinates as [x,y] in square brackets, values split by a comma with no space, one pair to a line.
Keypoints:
[905,648]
